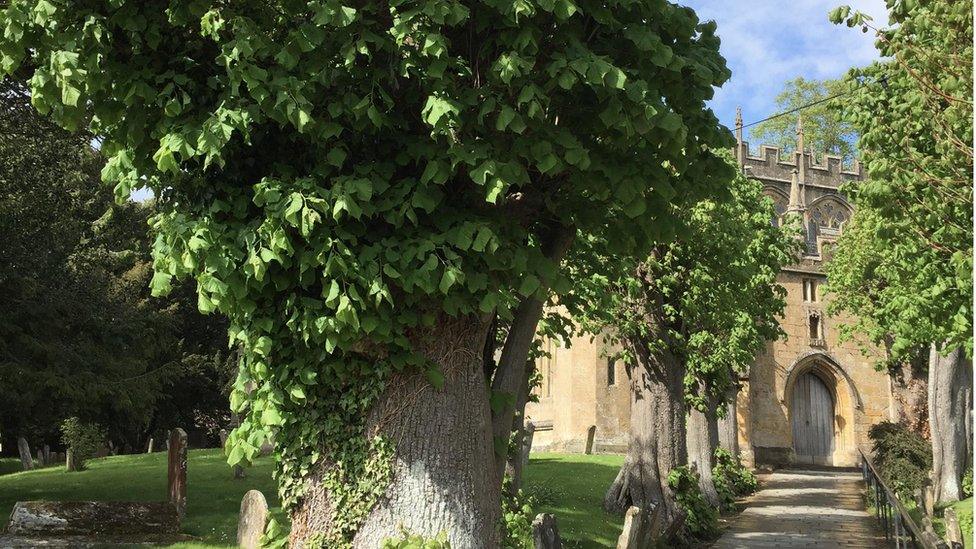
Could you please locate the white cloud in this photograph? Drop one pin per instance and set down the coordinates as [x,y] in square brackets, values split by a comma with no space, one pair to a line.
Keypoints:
[767,42]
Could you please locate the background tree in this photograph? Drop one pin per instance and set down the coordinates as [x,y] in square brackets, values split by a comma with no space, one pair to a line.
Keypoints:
[359,188]
[690,318]
[824,130]
[79,335]
[904,265]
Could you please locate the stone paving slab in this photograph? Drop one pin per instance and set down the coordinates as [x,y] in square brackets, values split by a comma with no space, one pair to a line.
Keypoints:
[805,508]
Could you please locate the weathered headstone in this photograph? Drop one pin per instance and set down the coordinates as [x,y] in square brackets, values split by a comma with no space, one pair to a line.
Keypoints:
[252,520]
[26,461]
[39,462]
[641,529]
[545,533]
[149,447]
[47,455]
[177,470]
[928,497]
[590,437]
[953,531]
[527,437]
[223,438]
[69,461]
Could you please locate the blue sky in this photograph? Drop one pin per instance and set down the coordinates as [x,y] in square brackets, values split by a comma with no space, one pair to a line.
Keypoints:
[767,42]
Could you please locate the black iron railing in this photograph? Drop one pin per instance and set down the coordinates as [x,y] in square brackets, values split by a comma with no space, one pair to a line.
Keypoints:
[899,526]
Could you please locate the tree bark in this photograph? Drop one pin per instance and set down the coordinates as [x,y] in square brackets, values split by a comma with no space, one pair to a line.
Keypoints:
[657,433]
[702,440]
[728,426]
[516,463]
[443,466]
[950,404]
[510,372]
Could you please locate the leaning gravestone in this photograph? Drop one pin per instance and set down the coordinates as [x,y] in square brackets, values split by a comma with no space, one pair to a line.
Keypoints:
[25,456]
[177,470]
[953,531]
[545,533]
[641,529]
[252,520]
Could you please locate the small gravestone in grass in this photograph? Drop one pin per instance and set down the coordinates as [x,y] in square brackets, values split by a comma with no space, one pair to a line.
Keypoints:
[177,470]
[26,461]
[252,520]
[545,533]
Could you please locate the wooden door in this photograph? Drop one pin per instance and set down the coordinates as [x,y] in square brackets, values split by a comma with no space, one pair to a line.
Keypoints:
[813,421]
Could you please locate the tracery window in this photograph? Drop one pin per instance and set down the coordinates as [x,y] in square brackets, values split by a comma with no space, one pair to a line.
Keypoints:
[830,214]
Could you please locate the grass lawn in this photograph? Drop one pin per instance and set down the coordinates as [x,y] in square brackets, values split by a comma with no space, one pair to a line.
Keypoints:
[9,465]
[570,486]
[213,496]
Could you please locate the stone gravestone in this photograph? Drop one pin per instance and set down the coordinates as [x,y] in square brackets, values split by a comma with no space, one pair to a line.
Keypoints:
[641,529]
[953,531]
[545,533]
[252,520]
[590,436]
[223,438]
[177,470]
[39,462]
[47,455]
[527,437]
[149,447]
[25,456]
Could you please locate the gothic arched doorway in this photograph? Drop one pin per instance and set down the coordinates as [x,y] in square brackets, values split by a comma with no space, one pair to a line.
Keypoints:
[813,420]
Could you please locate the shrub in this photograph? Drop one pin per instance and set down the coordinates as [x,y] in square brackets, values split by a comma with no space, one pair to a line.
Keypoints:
[83,439]
[701,519]
[731,478]
[516,517]
[902,456]
[413,541]
[967,483]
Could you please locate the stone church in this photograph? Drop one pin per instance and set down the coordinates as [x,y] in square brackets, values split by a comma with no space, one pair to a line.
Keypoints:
[807,398]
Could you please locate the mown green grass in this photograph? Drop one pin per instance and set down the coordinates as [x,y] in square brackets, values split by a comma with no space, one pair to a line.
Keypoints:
[571,487]
[213,495]
[9,465]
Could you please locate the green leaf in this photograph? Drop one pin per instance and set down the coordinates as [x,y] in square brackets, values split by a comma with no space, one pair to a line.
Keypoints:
[161,284]
[529,285]
[435,377]
[447,280]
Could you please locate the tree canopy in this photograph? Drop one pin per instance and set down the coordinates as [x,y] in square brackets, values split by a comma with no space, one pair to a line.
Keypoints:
[824,130]
[904,264]
[345,182]
[79,335]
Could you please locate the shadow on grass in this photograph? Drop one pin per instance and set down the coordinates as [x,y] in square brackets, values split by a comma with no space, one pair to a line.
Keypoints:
[572,486]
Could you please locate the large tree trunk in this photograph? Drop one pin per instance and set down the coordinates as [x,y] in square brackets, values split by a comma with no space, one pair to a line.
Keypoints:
[657,434]
[509,377]
[515,463]
[728,426]
[443,467]
[950,403]
[702,441]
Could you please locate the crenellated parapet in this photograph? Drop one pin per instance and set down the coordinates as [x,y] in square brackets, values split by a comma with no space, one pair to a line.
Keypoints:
[829,172]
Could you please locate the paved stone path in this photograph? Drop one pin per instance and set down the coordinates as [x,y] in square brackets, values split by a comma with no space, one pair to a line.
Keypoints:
[799,508]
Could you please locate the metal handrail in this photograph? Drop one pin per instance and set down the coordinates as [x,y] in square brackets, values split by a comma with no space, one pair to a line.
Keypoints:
[898,524]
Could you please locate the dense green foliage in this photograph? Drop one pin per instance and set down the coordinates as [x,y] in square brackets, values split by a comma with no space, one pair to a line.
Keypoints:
[902,456]
[79,335]
[338,178]
[717,282]
[824,131]
[904,263]
[732,479]
[83,440]
[700,517]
